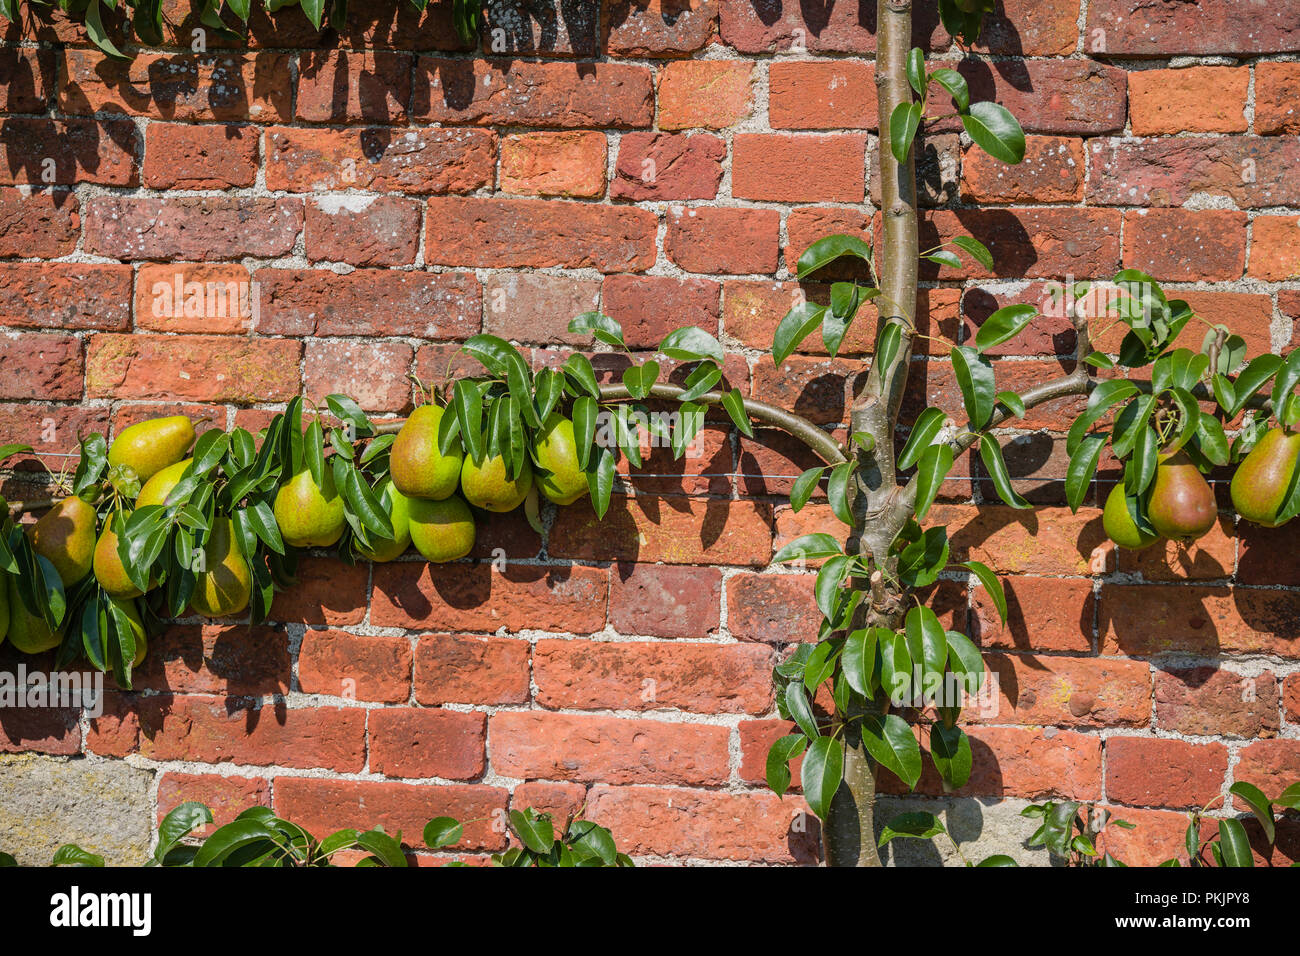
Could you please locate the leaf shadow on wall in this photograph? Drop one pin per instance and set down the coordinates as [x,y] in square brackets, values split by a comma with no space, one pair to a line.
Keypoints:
[542,26]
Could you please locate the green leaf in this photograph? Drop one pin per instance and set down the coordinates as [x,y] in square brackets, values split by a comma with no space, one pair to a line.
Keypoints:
[804,486]
[734,403]
[991,455]
[924,430]
[997,859]
[916,71]
[799,708]
[780,754]
[950,752]
[917,825]
[826,250]
[822,773]
[691,344]
[995,131]
[889,740]
[895,666]
[934,466]
[1287,378]
[1013,402]
[467,400]
[1252,378]
[926,642]
[1140,470]
[578,370]
[858,658]
[903,124]
[639,379]
[442,831]
[98,35]
[964,661]
[1004,324]
[534,832]
[585,414]
[810,547]
[796,326]
[179,823]
[690,420]
[600,481]
[972,246]
[888,344]
[1082,467]
[599,325]
[1234,844]
[976,381]
[72,855]
[922,560]
[1258,803]
[959,90]
[829,580]
[838,490]
[992,584]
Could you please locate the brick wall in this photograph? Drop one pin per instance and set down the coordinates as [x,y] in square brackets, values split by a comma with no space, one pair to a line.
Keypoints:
[390,192]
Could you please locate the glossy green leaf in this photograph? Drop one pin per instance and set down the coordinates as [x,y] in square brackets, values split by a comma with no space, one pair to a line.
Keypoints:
[826,250]
[936,461]
[996,466]
[924,430]
[991,583]
[1234,845]
[691,344]
[822,773]
[779,755]
[975,379]
[903,124]
[996,131]
[796,326]
[889,740]
[916,825]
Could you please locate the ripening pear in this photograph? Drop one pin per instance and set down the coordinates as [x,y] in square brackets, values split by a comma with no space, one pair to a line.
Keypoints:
[398,507]
[556,450]
[1119,524]
[1182,505]
[1262,480]
[157,488]
[66,536]
[149,447]
[137,629]
[309,515]
[110,572]
[418,468]
[28,632]
[442,530]
[225,583]
[488,485]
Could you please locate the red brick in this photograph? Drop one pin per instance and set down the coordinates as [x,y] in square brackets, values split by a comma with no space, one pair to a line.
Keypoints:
[699,471]
[1053,171]
[514,233]
[185,156]
[65,296]
[476,597]
[1054,96]
[610,750]
[1186,245]
[773,167]
[194,297]
[628,675]
[1209,557]
[668,166]
[1028,242]
[665,601]
[713,94]
[1201,99]
[703,824]
[39,366]
[450,668]
[1205,621]
[549,95]
[1050,334]
[1156,772]
[226,797]
[1271,765]
[195,367]
[1277,86]
[363,230]
[1030,28]
[692,531]
[1137,28]
[373,373]
[1252,171]
[328,592]
[831,29]
[770,462]
[417,161]
[756,739]
[649,307]
[536,308]
[1044,614]
[30,81]
[1156,836]
[355,667]
[49,730]
[44,152]
[353,86]
[323,806]
[48,428]
[720,240]
[201,228]
[225,86]
[234,659]
[1043,541]
[1291,698]
[658,28]
[1275,248]
[44,224]
[368,302]
[560,800]
[1265,556]
[1069,691]
[553,164]
[821,94]
[819,389]
[418,742]
[1208,701]
[791,524]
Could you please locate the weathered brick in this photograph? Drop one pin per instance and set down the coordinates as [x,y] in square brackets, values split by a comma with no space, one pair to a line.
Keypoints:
[1277,87]
[48,428]
[1052,172]
[212,368]
[476,597]
[418,161]
[553,164]
[701,470]
[1252,171]
[821,94]
[490,93]
[353,86]
[373,373]
[195,297]
[536,308]
[1211,702]
[44,152]
[658,28]
[43,224]
[201,228]
[834,29]
[720,240]
[40,366]
[772,608]
[1200,99]
[1042,541]
[1275,248]
[226,797]
[1043,614]
[560,800]
[693,531]
[1053,96]
[629,675]
[775,166]
[30,81]
[65,296]
[609,750]
[187,156]
[820,389]
[420,742]
[1157,772]
[328,592]
[456,669]
[1209,557]
[1291,698]
[235,659]
[713,94]
[1271,765]
[1264,556]
[665,601]
[668,166]
[1069,691]
[1028,242]
[649,307]
[1186,245]
[514,233]
[1139,28]
[1144,620]
[363,230]
[356,667]
[521,26]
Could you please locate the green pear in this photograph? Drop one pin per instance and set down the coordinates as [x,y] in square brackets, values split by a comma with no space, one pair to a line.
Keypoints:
[442,530]
[398,507]
[27,632]
[65,535]
[1182,505]
[556,450]
[1262,480]
[149,447]
[1119,524]
[309,515]
[109,570]
[418,468]
[225,583]
[157,488]
[487,485]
